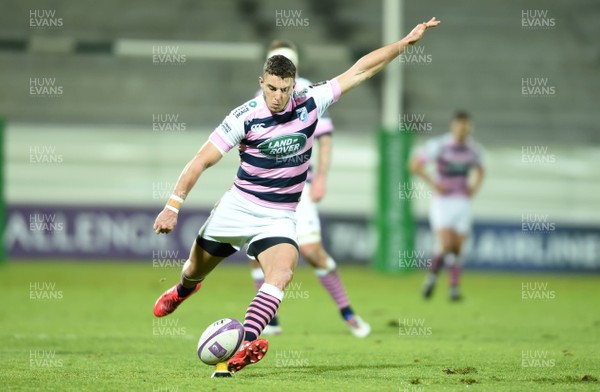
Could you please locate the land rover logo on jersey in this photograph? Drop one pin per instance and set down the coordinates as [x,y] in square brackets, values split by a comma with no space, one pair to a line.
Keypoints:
[283,146]
[302,114]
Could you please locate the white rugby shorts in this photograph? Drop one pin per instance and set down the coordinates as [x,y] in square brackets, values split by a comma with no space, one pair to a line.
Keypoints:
[451,212]
[237,221]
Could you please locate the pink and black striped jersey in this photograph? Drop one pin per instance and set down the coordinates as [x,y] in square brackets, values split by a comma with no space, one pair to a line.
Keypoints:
[324,125]
[275,148]
[453,162]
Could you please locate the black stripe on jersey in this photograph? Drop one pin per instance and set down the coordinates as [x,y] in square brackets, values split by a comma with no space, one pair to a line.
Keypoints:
[270,163]
[272,196]
[308,132]
[277,119]
[454,173]
[272,182]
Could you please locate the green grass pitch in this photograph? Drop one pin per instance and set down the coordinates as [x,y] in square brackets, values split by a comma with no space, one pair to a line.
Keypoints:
[89,326]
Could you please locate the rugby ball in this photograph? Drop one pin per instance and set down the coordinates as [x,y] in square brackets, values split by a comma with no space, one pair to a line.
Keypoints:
[220,341]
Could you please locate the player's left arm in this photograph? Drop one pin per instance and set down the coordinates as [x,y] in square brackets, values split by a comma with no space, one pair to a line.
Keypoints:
[319,182]
[477,180]
[370,64]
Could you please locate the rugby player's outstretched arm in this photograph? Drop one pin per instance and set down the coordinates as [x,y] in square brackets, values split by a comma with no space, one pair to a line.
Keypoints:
[207,156]
[372,63]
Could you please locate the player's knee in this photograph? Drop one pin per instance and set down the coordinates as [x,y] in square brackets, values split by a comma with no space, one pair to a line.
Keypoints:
[279,277]
[284,277]
[287,277]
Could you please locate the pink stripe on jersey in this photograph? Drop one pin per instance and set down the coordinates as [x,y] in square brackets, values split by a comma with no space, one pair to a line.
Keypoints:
[259,188]
[337,90]
[218,140]
[283,172]
[301,159]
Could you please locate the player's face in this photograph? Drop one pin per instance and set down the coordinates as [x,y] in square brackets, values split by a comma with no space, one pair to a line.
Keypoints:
[276,91]
[461,128]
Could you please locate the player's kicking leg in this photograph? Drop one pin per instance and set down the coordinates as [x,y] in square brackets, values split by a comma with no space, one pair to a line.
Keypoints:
[278,257]
[258,277]
[327,272]
[204,257]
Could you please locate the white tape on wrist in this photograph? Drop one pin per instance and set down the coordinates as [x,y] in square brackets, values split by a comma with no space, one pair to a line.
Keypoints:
[175,210]
[176,198]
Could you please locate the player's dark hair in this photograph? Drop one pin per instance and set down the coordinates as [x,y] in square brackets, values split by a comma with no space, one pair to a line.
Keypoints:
[281,66]
[282,43]
[462,115]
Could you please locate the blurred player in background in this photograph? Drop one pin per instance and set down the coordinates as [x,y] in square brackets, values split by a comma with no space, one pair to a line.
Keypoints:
[308,226]
[455,155]
[274,134]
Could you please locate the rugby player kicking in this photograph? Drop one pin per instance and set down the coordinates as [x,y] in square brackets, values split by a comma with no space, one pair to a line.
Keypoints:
[308,227]
[274,134]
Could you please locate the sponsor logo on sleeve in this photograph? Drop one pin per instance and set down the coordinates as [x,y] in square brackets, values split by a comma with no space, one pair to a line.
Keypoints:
[225,127]
[245,108]
[240,110]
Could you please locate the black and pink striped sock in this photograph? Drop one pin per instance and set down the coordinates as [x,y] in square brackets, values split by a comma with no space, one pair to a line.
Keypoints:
[331,281]
[333,284]
[261,310]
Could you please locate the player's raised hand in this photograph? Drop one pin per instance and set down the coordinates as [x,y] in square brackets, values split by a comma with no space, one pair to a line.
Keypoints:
[419,30]
[165,221]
